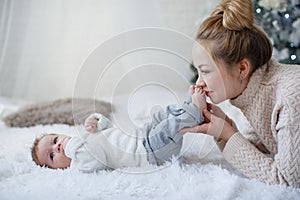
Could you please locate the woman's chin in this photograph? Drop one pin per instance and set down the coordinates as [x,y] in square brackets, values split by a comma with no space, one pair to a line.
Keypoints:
[215,101]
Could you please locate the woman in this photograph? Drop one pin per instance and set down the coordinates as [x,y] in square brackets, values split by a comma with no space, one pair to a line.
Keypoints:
[233,59]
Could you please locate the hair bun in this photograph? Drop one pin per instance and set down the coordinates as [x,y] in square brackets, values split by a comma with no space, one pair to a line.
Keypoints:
[237,14]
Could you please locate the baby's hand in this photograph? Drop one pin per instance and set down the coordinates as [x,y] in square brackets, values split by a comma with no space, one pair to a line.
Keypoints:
[90,124]
[198,99]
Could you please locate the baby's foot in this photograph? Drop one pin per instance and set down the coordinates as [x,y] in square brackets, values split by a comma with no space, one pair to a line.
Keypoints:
[198,99]
[193,87]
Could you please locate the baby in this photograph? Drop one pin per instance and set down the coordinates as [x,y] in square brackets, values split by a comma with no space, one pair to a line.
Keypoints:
[107,147]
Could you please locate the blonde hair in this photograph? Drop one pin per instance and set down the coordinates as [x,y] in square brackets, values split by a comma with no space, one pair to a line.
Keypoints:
[231,35]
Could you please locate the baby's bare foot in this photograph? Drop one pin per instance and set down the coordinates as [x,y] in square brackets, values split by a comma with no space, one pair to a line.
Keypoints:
[193,87]
[198,99]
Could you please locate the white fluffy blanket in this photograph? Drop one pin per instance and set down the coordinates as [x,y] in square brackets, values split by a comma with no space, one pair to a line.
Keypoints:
[201,174]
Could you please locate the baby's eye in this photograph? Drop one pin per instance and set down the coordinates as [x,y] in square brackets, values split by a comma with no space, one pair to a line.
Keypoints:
[52,155]
[55,140]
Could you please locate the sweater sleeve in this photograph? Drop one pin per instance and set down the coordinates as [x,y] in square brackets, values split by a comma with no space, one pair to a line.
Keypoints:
[283,168]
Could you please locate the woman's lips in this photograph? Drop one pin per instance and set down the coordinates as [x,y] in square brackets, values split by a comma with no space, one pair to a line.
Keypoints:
[207,93]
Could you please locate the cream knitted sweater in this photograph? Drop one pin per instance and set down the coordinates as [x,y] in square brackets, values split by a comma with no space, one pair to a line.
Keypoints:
[270,152]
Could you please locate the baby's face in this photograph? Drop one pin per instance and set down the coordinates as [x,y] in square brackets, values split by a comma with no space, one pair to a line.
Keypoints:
[51,151]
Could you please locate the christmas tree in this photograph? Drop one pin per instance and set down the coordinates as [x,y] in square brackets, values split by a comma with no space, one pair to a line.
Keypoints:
[280,19]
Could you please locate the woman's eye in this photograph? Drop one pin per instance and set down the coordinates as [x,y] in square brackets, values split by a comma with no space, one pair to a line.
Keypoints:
[52,155]
[55,140]
[204,72]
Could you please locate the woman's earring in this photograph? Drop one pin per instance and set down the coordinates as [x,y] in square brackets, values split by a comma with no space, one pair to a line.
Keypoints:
[241,77]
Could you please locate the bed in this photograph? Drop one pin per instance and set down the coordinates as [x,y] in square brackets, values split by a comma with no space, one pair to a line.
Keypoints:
[201,173]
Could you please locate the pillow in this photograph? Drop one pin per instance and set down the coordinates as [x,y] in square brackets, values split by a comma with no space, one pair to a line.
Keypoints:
[69,111]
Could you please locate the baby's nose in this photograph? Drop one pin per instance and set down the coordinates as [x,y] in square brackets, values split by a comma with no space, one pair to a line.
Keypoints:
[57,147]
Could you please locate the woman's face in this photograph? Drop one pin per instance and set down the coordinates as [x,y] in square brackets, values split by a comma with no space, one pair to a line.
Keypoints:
[218,82]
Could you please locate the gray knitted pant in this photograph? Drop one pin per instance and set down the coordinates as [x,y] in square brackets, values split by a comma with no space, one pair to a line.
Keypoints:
[162,139]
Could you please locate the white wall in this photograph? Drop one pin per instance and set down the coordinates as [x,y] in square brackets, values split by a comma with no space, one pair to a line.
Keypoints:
[45,45]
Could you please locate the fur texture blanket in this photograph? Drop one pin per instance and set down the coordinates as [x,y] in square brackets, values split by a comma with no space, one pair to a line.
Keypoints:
[69,111]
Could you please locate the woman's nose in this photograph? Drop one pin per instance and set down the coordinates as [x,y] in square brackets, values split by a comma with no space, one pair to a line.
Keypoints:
[200,81]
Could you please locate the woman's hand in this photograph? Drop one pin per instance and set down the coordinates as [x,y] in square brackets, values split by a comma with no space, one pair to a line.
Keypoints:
[216,110]
[214,126]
